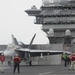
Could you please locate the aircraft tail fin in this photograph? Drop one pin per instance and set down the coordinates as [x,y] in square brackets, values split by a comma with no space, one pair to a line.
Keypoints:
[23,45]
[32,41]
[14,40]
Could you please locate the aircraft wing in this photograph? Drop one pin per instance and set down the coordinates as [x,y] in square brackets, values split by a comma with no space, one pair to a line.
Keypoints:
[34,53]
[39,51]
[1,52]
[44,52]
[23,50]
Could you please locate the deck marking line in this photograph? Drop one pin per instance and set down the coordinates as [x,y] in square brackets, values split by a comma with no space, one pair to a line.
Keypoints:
[45,73]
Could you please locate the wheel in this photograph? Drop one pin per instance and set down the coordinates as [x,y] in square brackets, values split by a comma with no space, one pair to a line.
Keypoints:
[30,63]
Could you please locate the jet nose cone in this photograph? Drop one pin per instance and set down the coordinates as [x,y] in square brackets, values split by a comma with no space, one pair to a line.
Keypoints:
[6,53]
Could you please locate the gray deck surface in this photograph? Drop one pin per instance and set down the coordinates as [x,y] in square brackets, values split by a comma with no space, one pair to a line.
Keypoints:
[40,70]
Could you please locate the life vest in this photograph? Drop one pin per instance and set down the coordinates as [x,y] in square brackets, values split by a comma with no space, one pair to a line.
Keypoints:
[73,58]
[65,56]
[2,58]
[16,60]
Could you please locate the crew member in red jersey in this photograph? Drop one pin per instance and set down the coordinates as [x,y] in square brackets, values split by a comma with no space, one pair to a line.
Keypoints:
[72,58]
[16,60]
[2,59]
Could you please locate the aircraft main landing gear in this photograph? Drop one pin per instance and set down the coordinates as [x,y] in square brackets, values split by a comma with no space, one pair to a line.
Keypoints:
[30,63]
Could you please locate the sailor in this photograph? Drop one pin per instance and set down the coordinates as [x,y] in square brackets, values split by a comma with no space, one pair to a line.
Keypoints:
[65,59]
[72,66]
[2,59]
[16,60]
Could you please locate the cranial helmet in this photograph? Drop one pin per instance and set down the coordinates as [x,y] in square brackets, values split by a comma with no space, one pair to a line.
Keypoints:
[2,53]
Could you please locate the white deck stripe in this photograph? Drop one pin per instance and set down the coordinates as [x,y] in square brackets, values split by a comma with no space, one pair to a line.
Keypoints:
[45,73]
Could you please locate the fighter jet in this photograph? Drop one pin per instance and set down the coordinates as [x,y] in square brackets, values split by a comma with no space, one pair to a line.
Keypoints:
[26,53]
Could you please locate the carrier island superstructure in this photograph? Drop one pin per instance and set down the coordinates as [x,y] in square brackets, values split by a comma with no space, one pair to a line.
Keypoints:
[58,22]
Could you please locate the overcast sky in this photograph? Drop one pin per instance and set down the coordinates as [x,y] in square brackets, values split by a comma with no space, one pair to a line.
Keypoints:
[13,20]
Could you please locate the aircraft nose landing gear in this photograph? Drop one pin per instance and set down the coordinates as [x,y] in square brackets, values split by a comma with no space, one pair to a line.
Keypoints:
[9,63]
